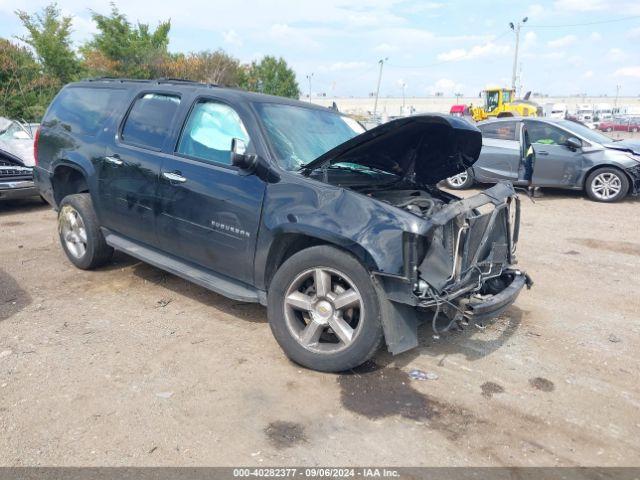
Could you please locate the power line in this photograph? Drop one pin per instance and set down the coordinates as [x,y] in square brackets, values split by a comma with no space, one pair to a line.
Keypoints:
[597,22]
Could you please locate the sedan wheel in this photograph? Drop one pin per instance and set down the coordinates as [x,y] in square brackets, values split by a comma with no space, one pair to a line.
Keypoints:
[607,185]
[323,310]
[461,181]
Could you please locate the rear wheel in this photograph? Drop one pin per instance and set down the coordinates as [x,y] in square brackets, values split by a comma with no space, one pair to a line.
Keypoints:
[80,233]
[607,185]
[323,310]
[461,181]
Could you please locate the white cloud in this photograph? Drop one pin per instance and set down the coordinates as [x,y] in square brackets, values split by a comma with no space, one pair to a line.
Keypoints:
[341,66]
[588,74]
[595,36]
[536,10]
[628,72]
[530,39]
[385,48]
[477,51]
[562,41]
[580,5]
[617,55]
[232,38]
[634,33]
[575,60]
[446,86]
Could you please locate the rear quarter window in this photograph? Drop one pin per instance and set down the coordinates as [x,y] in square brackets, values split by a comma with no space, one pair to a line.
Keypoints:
[150,119]
[84,110]
[500,130]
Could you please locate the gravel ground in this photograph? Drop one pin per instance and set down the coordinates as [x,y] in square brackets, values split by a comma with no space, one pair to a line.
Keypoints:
[128,365]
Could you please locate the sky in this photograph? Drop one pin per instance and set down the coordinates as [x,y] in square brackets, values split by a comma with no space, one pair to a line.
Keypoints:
[567,47]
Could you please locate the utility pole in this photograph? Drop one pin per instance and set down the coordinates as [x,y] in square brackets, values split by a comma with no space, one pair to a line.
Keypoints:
[309,79]
[516,28]
[403,97]
[375,104]
[615,105]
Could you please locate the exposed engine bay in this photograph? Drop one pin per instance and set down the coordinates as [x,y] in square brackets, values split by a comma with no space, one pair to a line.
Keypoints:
[418,202]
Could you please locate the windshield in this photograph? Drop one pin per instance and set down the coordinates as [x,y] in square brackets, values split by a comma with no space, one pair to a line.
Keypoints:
[585,132]
[299,135]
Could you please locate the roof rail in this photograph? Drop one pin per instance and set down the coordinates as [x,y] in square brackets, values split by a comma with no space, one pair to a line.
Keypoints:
[162,80]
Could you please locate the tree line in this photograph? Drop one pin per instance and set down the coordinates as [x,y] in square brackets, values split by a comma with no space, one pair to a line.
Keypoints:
[31,75]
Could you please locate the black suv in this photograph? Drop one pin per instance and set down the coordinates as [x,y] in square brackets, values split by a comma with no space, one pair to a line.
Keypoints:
[340,232]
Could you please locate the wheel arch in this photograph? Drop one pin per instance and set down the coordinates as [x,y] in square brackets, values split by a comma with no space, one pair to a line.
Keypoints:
[287,243]
[68,179]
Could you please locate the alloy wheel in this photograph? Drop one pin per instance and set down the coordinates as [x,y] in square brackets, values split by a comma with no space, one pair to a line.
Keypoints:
[606,186]
[458,180]
[323,310]
[73,231]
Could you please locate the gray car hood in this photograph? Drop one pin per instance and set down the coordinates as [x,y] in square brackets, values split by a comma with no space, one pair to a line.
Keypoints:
[431,147]
[631,146]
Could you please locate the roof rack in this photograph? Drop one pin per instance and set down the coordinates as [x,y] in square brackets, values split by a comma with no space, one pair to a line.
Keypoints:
[158,81]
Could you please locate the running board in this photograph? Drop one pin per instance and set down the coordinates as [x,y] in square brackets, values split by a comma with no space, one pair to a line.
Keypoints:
[196,274]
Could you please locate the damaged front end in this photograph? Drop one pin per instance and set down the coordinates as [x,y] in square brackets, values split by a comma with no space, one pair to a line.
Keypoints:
[462,268]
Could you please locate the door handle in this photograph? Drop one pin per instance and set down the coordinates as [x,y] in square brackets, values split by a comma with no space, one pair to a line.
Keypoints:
[114,160]
[543,153]
[174,177]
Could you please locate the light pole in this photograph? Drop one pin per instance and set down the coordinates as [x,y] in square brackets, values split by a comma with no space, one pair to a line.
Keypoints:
[375,104]
[615,104]
[516,28]
[309,79]
[404,85]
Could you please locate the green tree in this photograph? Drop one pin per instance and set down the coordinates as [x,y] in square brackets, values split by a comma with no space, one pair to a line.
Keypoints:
[24,91]
[49,34]
[271,75]
[206,66]
[126,50]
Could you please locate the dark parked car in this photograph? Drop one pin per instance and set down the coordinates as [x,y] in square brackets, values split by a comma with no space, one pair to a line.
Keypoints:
[567,155]
[341,233]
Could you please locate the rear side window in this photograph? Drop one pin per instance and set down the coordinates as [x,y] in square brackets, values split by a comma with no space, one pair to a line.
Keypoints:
[150,119]
[84,110]
[500,130]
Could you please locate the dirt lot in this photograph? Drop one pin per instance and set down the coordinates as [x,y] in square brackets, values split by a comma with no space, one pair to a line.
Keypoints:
[132,366]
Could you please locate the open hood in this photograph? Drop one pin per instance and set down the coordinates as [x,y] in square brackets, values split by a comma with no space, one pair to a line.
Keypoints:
[433,147]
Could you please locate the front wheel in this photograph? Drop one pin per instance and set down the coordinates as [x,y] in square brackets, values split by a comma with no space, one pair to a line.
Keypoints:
[324,311]
[607,185]
[461,181]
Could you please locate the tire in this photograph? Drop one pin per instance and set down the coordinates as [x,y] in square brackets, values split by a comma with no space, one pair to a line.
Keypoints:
[609,129]
[607,185]
[303,318]
[634,129]
[461,181]
[80,234]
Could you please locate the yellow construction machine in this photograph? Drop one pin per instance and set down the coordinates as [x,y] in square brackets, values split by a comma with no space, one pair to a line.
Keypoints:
[501,102]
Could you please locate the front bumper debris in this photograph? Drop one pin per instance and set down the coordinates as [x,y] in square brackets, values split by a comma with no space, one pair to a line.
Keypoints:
[480,309]
[634,174]
[466,275]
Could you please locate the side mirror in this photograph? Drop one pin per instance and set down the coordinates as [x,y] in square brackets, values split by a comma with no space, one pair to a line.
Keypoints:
[573,143]
[21,135]
[239,157]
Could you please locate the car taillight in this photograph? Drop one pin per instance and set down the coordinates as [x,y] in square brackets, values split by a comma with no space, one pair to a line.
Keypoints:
[35,145]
